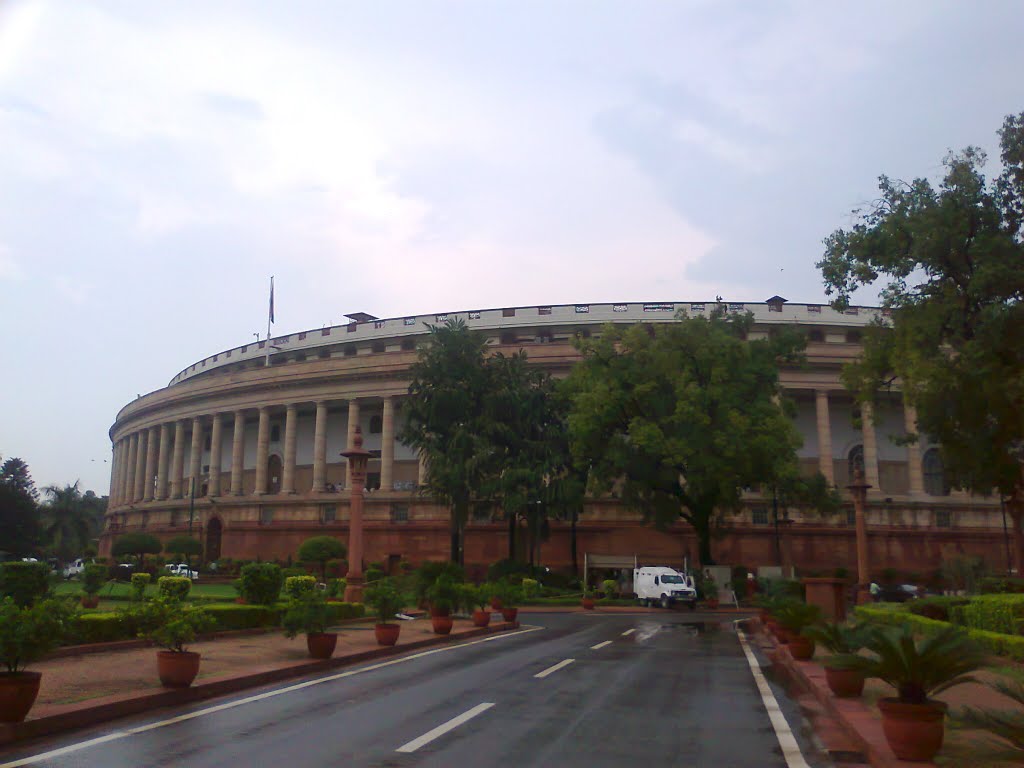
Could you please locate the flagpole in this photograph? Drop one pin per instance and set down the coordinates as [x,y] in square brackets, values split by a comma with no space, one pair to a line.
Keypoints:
[270,319]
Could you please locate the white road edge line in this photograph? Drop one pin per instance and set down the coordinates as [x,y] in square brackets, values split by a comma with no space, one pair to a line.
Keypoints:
[599,646]
[442,729]
[545,673]
[790,749]
[250,699]
[628,632]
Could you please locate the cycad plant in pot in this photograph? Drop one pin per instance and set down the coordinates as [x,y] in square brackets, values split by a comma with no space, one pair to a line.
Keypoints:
[26,635]
[172,624]
[844,670]
[587,601]
[386,601]
[795,617]
[914,723]
[94,576]
[481,603]
[511,596]
[309,613]
[443,596]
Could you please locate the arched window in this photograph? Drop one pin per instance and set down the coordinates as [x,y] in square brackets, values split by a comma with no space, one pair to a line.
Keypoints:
[935,483]
[854,461]
[376,424]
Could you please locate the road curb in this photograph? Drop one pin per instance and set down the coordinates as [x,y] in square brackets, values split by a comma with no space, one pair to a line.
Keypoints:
[113,707]
[853,717]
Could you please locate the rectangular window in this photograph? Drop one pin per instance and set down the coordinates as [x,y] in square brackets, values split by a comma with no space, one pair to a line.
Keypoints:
[474,315]
[262,344]
[228,353]
[399,513]
[735,307]
[351,328]
[408,344]
[508,313]
[302,336]
[266,515]
[215,358]
[760,516]
[325,331]
[543,310]
[379,323]
[620,307]
[373,480]
[774,307]
[409,321]
[350,350]
[814,308]
[328,513]
[851,311]
[378,346]
[440,318]
[582,309]
[245,348]
[658,307]
[696,307]
[943,518]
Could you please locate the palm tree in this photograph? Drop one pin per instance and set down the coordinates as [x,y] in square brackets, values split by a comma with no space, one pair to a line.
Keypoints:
[68,520]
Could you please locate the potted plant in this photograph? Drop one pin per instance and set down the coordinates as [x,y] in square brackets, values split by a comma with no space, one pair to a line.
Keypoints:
[310,614]
[844,670]
[709,589]
[511,595]
[913,723]
[794,618]
[26,634]
[94,576]
[443,595]
[481,605]
[386,602]
[172,624]
[587,601]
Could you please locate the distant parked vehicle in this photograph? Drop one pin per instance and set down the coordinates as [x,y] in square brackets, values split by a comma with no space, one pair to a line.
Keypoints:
[182,569]
[664,586]
[896,593]
[74,568]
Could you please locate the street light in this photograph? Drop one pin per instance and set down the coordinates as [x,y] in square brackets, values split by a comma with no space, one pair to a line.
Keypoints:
[357,461]
[859,489]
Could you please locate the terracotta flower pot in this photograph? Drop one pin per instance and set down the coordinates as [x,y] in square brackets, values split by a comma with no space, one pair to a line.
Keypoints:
[321,644]
[434,612]
[587,603]
[442,624]
[481,618]
[18,691]
[387,634]
[802,648]
[845,683]
[90,601]
[509,614]
[914,731]
[177,669]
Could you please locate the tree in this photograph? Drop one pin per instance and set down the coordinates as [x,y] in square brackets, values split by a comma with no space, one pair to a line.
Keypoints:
[19,513]
[14,474]
[184,546]
[68,524]
[678,418]
[321,549]
[137,544]
[444,420]
[952,259]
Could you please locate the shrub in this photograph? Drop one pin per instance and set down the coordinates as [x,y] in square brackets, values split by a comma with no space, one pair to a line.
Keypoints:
[385,599]
[964,572]
[342,611]
[443,594]
[229,616]
[307,613]
[172,624]
[938,607]
[1011,646]
[994,613]
[430,572]
[139,583]
[336,587]
[290,571]
[373,574]
[27,633]
[138,544]
[610,587]
[25,583]
[321,550]
[297,586]
[513,569]
[531,588]
[184,546]
[105,627]
[336,568]
[261,583]
[94,576]
[997,585]
[173,587]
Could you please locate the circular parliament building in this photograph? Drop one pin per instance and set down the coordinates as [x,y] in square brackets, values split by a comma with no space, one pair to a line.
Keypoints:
[243,449]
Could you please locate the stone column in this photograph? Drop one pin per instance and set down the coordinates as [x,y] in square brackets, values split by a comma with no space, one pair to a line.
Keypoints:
[129,482]
[320,449]
[147,491]
[178,467]
[195,464]
[825,463]
[126,449]
[140,466]
[115,469]
[290,436]
[915,473]
[162,461]
[387,445]
[238,453]
[870,446]
[421,470]
[353,422]
[215,440]
[262,451]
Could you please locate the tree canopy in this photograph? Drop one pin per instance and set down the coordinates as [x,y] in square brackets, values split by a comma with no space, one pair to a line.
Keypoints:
[951,259]
[678,418]
[321,549]
[138,544]
[188,546]
[14,473]
[19,514]
[71,520]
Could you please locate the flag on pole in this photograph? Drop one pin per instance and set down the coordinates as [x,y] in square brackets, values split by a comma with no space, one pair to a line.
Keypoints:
[271,298]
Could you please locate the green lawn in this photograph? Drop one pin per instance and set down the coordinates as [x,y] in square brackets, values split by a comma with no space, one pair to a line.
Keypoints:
[123,590]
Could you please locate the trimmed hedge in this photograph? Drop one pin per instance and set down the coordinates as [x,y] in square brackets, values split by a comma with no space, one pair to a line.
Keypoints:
[297,586]
[24,582]
[994,613]
[998,585]
[939,607]
[342,611]
[176,587]
[139,583]
[233,616]
[261,583]
[1011,646]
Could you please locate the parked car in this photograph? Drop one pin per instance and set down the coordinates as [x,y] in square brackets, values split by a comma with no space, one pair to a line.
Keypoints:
[74,568]
[664,586]
[896,593]
[182,569]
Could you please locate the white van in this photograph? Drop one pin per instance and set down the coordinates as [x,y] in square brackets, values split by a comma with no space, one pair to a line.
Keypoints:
[664,586]
[74,568]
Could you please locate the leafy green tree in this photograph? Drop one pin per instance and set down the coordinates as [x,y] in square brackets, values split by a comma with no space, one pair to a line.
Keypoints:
[678,418]
[68,523]
[19,513]
[137,544]
[951,259]
[14,474]
[321,550]
[184,546]
[444,420]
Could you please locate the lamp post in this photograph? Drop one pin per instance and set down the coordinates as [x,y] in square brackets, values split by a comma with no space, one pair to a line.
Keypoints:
[859,489]
[357,461]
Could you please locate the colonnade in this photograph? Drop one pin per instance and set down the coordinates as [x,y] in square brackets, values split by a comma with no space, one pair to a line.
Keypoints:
[151,452]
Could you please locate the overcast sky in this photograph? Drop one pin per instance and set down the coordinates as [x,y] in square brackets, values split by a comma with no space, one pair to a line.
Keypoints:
[159,161]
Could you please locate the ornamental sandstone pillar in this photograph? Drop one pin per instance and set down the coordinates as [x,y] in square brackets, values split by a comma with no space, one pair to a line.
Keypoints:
[196,458]
[115,471]
[140,467]
[162,461]
[150,479]
[387,445]
[237,453]
[915,475]
[216,436]
[290,436]
[320,449]
[178,467]
[825,463]
[262,451]
[353,422]
[133,451]
[867,415]
[126,449]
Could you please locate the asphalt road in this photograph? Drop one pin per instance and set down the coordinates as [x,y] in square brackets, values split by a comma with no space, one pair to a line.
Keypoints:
[671,692]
